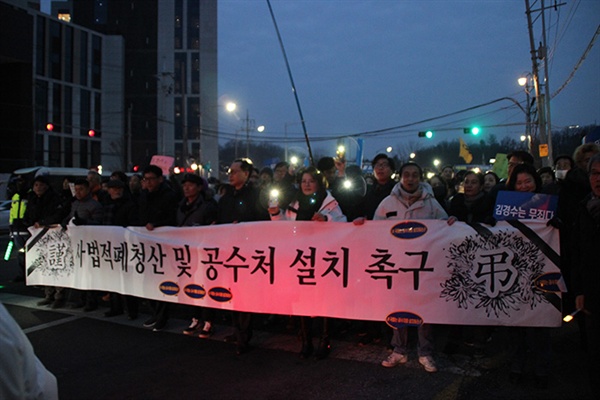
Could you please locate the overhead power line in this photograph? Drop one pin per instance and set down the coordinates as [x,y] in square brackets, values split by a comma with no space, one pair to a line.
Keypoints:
[585,54]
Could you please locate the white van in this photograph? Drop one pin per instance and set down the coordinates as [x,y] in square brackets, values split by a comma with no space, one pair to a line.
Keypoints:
[55,175]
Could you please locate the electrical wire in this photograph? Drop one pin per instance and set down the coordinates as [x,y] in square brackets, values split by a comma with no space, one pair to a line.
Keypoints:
[581,59]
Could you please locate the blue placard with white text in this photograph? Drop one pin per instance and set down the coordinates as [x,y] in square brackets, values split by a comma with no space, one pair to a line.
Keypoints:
[524,205]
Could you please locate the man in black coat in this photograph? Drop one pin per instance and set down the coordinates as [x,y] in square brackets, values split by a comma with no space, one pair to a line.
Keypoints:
[158,204]
[240,203]
[197,208]
[45,208]
[120,210]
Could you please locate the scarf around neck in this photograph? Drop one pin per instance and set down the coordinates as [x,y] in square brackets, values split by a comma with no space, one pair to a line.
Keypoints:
[411,197]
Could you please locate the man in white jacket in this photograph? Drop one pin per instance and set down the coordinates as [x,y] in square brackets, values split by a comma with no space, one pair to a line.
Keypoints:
[411,199]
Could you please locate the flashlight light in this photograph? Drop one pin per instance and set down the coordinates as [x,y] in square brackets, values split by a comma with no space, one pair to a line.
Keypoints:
[274,198]
[569,318]
[8,251]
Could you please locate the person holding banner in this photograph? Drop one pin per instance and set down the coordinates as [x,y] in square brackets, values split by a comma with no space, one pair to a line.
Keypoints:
[383,169]
[473,207]
[586,273]
[85,210]
[240,203]
[531,341]
[411,199]
[120,210]
[197,208]
[45,208]
[158,203]
[312,203]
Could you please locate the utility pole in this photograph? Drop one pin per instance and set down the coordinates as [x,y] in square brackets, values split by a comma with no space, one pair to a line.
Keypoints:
[542,97]
[250,126]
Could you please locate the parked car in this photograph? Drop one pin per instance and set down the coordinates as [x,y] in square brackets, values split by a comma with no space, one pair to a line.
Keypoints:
[55,175]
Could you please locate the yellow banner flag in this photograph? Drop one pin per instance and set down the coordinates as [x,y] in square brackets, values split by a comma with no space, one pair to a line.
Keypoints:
[464,151]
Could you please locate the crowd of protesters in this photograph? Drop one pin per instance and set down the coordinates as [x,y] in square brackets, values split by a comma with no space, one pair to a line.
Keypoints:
[334,192]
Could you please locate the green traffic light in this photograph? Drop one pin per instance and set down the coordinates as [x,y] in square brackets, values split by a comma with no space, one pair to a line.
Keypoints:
[427,134]
[472,131]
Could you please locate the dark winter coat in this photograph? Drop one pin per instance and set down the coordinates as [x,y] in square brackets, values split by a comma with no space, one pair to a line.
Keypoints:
[45,210]
[158,208]
[201,212]
[480,210]
[585,266]
[241,206]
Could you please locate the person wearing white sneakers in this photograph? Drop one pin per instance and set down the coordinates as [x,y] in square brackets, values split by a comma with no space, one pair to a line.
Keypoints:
[411,199]
[197,208]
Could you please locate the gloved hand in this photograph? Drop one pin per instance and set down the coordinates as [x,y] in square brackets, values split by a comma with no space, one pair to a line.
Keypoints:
[555,222]
[77,220]
[491,221]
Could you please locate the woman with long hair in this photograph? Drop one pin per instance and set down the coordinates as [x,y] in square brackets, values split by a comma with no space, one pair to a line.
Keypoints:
[313,202]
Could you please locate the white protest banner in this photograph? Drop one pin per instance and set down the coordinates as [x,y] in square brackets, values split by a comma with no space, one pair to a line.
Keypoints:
[397,271]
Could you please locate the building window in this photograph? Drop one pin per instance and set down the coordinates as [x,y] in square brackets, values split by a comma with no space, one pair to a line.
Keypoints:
[96,154]
[179,24]
[54,151]
[41,104]
[40,53]
[193,25]
[96,61]
[83,152]
[68,54]
[97,125]
[64,15]
[68,153]
[55,50]
[100,11]
[83,58]
[178,113]
[56,108]
[180,73]
[85,119]
[68,107]
[195,72]
[193,120]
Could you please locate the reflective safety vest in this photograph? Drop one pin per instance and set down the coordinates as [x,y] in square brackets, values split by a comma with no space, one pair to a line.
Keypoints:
[17,208]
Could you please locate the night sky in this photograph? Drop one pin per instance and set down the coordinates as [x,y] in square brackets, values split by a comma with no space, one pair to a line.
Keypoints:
[362,66]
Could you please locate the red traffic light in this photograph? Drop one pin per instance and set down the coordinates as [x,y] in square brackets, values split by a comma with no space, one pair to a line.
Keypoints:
[49,126]
[91,133]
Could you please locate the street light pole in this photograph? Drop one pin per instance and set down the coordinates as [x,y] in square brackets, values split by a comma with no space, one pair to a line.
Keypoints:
[525,82]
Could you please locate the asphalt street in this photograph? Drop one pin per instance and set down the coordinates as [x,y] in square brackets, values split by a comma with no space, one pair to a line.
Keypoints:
[94,357]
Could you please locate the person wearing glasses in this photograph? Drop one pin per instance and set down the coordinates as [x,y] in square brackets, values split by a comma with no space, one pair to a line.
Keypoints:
[157,206]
